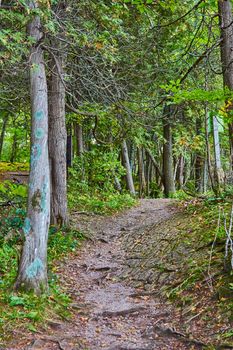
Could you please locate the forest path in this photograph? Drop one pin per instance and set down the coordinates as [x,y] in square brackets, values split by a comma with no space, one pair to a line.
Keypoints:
[113,310]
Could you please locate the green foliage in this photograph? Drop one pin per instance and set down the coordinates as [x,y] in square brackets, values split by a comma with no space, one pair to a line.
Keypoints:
[27,310]
[63,242]
[91,183]
[13,192]
[97,169]
[5,167]
[196,235]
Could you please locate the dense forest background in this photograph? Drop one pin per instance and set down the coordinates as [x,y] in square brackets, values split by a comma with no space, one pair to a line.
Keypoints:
[134,75]
[105,102]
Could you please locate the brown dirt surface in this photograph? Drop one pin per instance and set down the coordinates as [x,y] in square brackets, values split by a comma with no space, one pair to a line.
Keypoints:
[116,280]
[19,177]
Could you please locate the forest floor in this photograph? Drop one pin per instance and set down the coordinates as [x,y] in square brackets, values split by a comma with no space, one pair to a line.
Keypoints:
[118,282]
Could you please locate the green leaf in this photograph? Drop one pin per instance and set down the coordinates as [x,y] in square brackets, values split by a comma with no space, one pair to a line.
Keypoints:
[16,300]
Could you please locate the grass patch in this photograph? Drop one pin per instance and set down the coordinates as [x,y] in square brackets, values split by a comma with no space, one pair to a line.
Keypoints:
[5,167]
[25,310]
[104,203]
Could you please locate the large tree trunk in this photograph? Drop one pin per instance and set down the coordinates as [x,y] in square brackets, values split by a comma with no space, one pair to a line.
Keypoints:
[4,124]
[226,29]
[57,142]
[168,174]
[32,273]
[129,177]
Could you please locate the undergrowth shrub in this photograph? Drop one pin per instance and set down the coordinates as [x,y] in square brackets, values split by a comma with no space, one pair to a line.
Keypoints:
[25,309]
[92,183]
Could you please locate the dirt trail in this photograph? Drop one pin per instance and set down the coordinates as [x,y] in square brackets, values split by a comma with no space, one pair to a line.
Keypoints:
[110,313]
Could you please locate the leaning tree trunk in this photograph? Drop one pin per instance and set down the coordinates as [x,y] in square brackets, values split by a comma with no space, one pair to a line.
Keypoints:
[226,29]
[32,273]
[57,142]
[168,175]
[129,177]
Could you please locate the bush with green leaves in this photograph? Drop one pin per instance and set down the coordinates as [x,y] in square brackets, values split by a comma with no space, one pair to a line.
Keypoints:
[96,170]
[92,182]
[27,309]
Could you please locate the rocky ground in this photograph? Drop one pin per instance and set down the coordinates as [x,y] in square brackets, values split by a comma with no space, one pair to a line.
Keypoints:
[116,281]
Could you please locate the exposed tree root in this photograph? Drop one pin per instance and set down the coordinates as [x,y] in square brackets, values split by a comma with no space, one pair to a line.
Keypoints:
[183,336]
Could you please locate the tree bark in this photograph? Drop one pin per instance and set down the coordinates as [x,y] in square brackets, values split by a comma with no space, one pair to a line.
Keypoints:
[57,141]
[217,155]
[198,161]
[226,30]
[168,174]
[180,177]
[69,147]
[141,173]
[79,139]
[32,273]
[4,124]
[208,154]
[156,165]
[129,177]
[14,148]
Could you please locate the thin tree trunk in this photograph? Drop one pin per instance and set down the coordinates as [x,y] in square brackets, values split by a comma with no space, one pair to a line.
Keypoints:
[129,177]
[217,154]
[14,148]
[148,173]
[57,142]
[4,124]
[198,160]
[69,147]
[208,151]
[180,170]
[205,177]
[168,175]
[141,173]
[79,139]
[156,165]
[32,273]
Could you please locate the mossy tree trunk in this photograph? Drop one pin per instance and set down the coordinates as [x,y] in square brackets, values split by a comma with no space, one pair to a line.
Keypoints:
[32,273]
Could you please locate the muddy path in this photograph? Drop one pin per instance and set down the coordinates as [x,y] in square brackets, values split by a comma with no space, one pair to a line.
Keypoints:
[112,310]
